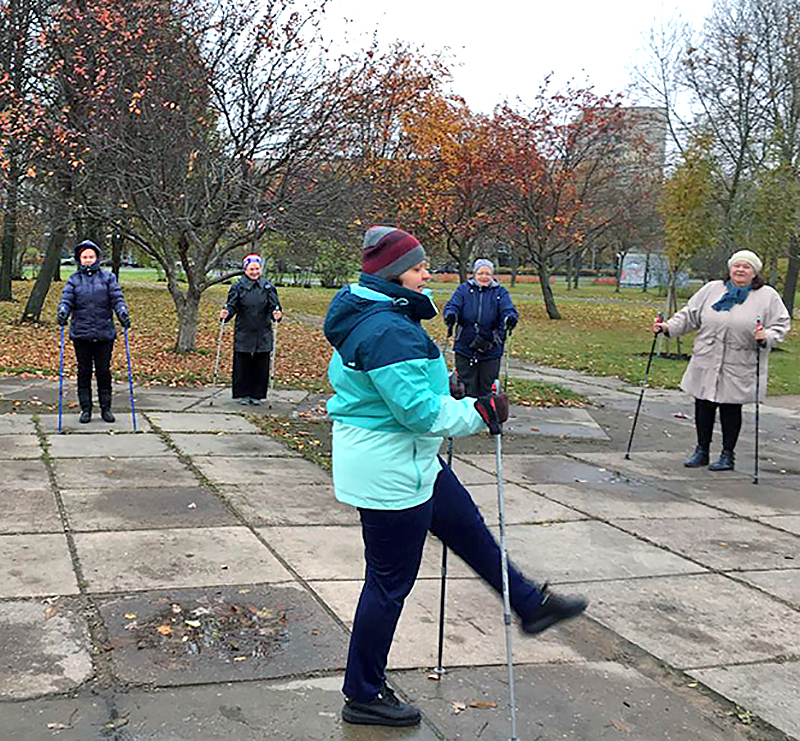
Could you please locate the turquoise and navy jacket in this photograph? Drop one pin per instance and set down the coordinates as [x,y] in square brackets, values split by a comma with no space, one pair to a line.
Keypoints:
[392,405]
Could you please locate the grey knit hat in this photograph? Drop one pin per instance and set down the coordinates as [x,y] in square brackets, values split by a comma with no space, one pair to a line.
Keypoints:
[482,263]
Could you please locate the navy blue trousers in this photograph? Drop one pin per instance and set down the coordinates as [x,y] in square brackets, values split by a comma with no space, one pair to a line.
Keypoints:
[393,542]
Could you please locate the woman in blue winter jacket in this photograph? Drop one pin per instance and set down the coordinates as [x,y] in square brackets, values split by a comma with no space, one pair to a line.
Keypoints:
[391,410]
[90,296]
[483,315]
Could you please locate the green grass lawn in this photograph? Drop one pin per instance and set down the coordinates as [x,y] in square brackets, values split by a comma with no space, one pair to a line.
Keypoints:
[602,332]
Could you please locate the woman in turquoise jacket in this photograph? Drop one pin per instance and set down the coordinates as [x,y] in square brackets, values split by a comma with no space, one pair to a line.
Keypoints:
[391,409]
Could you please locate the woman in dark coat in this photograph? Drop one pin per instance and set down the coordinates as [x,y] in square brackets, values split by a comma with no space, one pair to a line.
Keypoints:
[484,315]
[90,295]
[254,301]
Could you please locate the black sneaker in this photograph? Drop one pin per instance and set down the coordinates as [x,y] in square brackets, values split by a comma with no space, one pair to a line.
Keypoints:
[86,416]
[107,416]
[384,710]
[554,609]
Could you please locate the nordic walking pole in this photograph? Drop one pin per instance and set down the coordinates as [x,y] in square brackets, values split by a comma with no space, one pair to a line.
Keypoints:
[758,383]
[130,379]
[440,670]
[61,381]
[216,361]
[501,507]
[644,386]
[271,380]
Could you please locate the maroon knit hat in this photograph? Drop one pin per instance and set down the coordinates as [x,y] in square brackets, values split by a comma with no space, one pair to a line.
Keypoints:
[389,252]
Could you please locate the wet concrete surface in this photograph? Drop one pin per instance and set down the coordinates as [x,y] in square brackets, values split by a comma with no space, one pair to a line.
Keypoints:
[691,632]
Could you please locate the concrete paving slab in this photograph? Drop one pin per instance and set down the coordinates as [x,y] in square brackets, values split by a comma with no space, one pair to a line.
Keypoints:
[661,466]
[295,710]
[553,422]
[474,629]
[45,648]
[588,551]
[32,511]
[287,504]
[71,426]
[233,634]
[166,559]
[201,422]
[545,469]
[148,401]
[244,471]
[337,552]
[789,523]
[727,544]
[103,445]
[144,509]
[784,584]
[61,719]
[570,702]
[231,445]
[19,446]
[741,497]
[35,565]
[521,505]
[696,621]
[13,424]
[625,499]
[123,473]
[469,474]
[771,690]
[25,475]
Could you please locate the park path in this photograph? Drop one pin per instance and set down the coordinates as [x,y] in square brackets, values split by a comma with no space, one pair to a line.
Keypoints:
[196,580]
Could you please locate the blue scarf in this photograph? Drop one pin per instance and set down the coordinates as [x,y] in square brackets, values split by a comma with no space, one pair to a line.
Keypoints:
[735,295]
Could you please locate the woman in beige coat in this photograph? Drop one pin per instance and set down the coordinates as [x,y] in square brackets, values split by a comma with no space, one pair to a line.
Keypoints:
[734,319]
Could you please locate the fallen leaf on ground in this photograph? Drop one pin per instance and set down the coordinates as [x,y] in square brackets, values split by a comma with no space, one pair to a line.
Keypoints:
[165,630]
[458,707]
[483,704]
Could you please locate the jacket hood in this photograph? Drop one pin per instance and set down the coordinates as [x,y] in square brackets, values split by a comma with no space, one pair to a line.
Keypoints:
[82,246]
[371,296]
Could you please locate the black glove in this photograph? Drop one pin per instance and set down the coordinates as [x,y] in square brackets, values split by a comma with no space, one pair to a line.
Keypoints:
[494,410]
[457,389]
[62,316]
[450,321]
[124,319]
[510,323]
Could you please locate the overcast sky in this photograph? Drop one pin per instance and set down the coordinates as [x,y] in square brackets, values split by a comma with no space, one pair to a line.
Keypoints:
[504,48]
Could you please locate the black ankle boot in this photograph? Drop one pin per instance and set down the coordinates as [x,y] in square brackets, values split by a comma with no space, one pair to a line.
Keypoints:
[725,462]
[85,400]
[105,405]
[698,458]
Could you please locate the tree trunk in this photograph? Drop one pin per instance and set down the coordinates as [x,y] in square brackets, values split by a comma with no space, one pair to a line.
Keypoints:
[576,271]
[547,292]
[9,230]
[672,305]
[790,287]
[618,287]
[117,241]
[187,306]
[646,272]
[514,269]
[52,258]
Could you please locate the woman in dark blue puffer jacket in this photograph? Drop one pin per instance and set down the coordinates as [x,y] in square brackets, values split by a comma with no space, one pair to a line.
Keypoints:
[483,314]
[90,296]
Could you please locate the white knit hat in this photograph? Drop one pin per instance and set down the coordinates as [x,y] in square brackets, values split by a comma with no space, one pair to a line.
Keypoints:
[747,256]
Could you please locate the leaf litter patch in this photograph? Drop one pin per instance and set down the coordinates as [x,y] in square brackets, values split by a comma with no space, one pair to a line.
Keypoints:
[220,629]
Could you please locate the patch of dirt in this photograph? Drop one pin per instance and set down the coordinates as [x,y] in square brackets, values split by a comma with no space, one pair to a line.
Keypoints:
[230,631]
